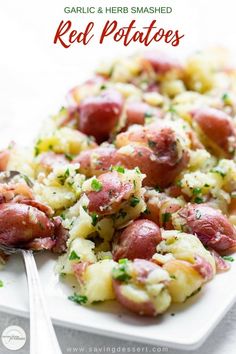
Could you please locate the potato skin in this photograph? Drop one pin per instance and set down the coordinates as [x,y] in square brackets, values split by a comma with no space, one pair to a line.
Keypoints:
[20,223]
[48,160]
[157,173]
[108,200]
[136,294]
[160,208]
[136,113]
[210,225]
[217,127]
[138,240]
[160,62]
[99,114]
[156,151]
[95,161]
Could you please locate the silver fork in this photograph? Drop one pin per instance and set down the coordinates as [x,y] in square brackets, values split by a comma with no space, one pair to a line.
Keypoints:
[42,335]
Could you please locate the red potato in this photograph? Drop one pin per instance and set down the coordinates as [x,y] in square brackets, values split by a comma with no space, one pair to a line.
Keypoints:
[100,114]
[217,127]
[77,93]
[156,151]
[113,192]
[21,223]
[138,240]
[210,225]
[160,208]
[49,159]
[95,161]
[15,193]
[133,276]
[204,268]
[4,158]
[136,112]
[160,62]
[157,169]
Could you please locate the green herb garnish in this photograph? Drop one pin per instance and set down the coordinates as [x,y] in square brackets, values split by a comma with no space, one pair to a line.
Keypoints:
[165,217]
[121,272]
[96,185]
[134,201]
[63,178]
[119,169]
[228,258]
[1,284]
[194,293]
[73,256]
[198,200]
[78,299]
[94,217]
[197,191]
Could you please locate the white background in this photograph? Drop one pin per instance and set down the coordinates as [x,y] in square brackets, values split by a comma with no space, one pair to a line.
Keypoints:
[35,76]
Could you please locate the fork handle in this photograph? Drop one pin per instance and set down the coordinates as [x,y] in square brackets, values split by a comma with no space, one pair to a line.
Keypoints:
[42,335]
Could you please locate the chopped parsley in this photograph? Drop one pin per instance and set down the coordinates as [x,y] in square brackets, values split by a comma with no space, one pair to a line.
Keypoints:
[194,293]
[119,169]
[78,299]
[226,98]
[197,190]
[63,178]
[146,211]
[1,284]
[63,216]
[137,170]
[103,87]
[228,258]
[73,256]
[96,185]
[36,148]
[172,276]
[134,201]
[179,183]
[165,217]
[121,271]
[69,157]
[94,217]
[198,200]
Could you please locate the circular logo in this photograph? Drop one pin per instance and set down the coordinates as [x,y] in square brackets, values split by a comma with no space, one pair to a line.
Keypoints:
[13,337]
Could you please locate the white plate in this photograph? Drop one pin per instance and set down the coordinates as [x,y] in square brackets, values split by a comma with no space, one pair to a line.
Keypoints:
[187,329]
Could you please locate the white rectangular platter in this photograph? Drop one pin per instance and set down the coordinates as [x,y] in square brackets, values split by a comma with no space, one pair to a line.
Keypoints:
[183,327]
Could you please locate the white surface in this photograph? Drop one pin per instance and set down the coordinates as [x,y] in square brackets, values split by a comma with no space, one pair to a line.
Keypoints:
[35,75]
[192,322]
[222,340]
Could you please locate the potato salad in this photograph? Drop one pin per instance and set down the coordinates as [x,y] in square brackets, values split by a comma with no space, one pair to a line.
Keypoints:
[132,183]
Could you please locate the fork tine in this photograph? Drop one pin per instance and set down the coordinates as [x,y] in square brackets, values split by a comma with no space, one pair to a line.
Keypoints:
[8,250]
